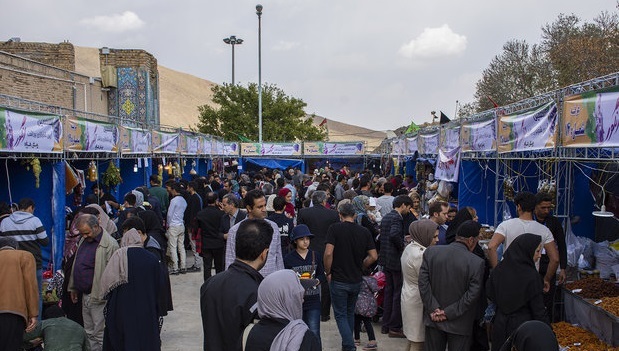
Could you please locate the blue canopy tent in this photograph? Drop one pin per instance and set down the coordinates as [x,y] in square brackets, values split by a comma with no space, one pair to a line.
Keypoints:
[254,164]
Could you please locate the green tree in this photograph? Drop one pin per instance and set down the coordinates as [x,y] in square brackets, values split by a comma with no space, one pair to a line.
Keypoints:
[236,117]
[519,72]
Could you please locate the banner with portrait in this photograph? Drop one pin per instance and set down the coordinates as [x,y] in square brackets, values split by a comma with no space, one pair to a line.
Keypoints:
[134,140]
[428,143]
[30,132]
[478,136]
[90,136]
[534,129]
[591,119]
[165,143]
[230,149]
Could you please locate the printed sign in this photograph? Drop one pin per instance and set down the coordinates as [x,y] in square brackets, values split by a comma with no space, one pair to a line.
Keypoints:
[398,147]
[85,135]
[428,143]
[449,136]
[478,136]
[134,140]
[338,149]
[448,165]
[27,132]
[591,119]
[411,145]
[165,143]
[270,149]
[534,129]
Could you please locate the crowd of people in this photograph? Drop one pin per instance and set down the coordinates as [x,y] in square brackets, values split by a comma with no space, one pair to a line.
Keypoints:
[286,248]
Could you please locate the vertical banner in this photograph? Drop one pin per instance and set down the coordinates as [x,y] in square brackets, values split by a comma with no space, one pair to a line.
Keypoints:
[534,129]
[591,119]
[428,143]
[478,136]
[206,145]
[30,132]
[134,140]
[85,135]
[449,138]
[448,165]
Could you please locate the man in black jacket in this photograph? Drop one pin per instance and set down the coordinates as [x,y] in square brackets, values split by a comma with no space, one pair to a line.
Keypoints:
[391,247]
[543,207]
[212,244]
[318,219]
[228,299]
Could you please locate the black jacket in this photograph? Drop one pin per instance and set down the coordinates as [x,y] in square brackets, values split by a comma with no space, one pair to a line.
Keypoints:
[227,303]
[225,221]
[391,241]
[208,222]
[262,335]
[318,219]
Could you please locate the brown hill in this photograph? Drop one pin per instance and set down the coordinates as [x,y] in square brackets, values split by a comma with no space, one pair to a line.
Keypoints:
[182,93]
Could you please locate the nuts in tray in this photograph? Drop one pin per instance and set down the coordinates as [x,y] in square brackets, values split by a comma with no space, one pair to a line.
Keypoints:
[594,288]
[610,304]
[577,338]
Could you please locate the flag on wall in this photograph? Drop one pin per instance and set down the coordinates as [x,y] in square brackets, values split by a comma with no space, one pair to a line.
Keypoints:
[324,121]
[412,128]
[444,118]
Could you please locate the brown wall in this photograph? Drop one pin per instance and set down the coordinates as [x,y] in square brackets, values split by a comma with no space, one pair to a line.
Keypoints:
[45,74]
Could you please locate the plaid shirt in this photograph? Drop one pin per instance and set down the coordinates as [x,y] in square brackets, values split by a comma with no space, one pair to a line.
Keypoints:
[275,261]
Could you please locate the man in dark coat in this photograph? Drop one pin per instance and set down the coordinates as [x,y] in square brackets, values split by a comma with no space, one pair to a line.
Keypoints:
[318,219]
[212,242]
[228,299]
[450,284]
[233,215]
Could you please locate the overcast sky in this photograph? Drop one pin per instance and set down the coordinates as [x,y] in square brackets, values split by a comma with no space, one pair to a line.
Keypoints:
[376,64]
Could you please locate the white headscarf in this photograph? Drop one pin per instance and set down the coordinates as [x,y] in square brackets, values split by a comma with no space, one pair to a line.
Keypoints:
[280,295]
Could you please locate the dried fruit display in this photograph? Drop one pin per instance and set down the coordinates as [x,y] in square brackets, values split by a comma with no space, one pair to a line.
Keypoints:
[610,304]
[577,338]
[594,288]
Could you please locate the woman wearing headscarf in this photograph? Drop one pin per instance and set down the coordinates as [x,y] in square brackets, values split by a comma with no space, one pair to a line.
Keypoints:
[516,289]
[280,301]
[415,212]
[131,282]
[532,336]
[361,204]
[464,214]
[287,195]
[153,228]
[424,233]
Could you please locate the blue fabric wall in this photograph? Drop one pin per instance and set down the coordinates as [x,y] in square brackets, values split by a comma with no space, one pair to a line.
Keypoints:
[476,188]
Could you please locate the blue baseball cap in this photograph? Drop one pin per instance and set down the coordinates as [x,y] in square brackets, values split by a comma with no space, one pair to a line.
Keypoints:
[300,231]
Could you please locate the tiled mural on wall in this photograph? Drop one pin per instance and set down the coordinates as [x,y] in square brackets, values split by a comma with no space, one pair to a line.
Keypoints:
[135,97]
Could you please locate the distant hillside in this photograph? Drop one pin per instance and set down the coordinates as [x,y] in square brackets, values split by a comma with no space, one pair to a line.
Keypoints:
[182,93]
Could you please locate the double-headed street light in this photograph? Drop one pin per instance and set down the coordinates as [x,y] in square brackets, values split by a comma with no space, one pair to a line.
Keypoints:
[259,13]
[233,40]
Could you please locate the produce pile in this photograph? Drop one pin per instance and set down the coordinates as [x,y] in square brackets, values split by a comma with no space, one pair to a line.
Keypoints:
[594,288]
[579,339]
[611,304]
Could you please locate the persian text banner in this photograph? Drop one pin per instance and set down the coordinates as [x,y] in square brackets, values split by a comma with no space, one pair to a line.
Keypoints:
[591,119]
[29,132]
[534,129]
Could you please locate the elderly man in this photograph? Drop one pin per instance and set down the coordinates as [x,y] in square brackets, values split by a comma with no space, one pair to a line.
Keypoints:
[93,253]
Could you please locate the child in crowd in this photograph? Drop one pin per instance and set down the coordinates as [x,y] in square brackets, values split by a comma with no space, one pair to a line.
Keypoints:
[366,309]
[309,267]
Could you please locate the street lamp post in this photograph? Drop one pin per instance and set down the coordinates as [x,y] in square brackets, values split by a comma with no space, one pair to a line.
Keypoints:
[233,40]
[259,13]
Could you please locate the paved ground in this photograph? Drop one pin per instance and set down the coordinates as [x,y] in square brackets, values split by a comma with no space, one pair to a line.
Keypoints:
[182,328]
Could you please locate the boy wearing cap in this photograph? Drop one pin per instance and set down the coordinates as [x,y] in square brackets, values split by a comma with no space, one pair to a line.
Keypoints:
[309,267]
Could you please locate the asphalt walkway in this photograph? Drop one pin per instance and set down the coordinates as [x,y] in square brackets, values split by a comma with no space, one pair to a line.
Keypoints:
[182,328]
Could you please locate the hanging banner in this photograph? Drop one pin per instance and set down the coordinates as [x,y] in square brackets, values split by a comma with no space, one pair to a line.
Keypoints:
[165,143]
[190,144]
[320,148]
[398,147]
[270,149]
[230,149]
[134,140]
[428,143]
[206,145]
[591,119]
[478,136]
[411,145]
[448,165]
[90,136]
[449,137]
[534,129]
[218,147]
[30,132]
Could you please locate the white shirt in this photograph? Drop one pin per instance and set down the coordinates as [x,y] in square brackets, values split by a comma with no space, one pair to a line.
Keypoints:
[514,227]
[176,211]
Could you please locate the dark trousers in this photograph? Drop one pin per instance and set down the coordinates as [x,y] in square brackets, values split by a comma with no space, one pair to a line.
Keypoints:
[325,300]
[210,257]
[392,312]
[12,329]
[367,321]
[549,297]
[437,340]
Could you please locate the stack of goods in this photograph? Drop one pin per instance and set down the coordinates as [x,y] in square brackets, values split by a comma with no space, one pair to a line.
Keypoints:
[593,288]
[576,338]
